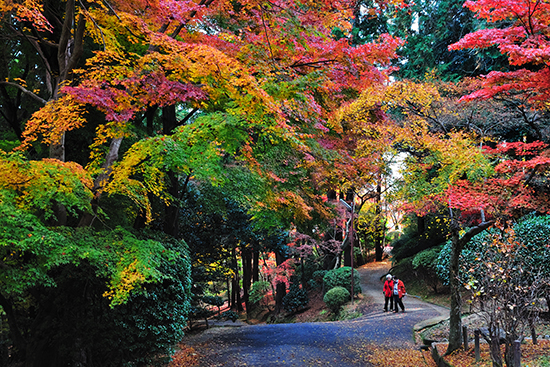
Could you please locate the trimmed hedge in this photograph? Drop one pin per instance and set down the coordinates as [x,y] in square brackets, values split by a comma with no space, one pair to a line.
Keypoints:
[336,298]
[341,277]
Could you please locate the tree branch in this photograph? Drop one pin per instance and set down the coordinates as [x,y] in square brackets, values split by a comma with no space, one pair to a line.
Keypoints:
[295,65]
[26,91]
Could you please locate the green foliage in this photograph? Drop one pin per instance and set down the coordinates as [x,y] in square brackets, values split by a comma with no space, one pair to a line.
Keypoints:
[533,232]
[258,290]
[142,331]
[425,264]
[295,299]
[318,275]
[313,284]
[198,312]
[412,242]
[341,277]
[154,320]
[230,315]
[467,256]
[30,250]
[336,297]
[213,300]
[426,260]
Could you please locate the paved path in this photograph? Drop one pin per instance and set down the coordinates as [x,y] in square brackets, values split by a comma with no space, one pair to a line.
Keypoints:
[339,343]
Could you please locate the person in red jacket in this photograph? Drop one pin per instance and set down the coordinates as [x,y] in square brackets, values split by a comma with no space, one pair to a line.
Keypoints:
[398,293]
[388,293]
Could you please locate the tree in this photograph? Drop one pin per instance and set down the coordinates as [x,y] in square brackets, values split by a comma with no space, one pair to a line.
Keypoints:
[519,33]
[168,95]
[428,27]
[503,270]
[358,165]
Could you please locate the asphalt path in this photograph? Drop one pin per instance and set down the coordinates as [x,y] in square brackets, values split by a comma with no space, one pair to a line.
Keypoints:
[340,343]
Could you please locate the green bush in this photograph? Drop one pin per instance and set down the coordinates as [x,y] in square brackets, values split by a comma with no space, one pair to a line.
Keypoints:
[318,275]
[312,284]
[425,265]
[413,242]
[142,331]
[336,298]
[230,315]
[295,299]
[213,300]
[532,231]
[258,291]
[341,277]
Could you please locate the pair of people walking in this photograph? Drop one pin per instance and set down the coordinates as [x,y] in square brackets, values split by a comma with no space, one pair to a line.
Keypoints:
[394,291]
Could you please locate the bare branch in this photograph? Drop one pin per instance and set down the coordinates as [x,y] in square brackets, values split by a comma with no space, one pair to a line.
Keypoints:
[26,91]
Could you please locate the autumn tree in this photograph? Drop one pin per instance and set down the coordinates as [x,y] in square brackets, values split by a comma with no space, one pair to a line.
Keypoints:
[362,154]
[168,93]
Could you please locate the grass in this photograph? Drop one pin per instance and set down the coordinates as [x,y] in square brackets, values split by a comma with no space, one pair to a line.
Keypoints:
[418,287]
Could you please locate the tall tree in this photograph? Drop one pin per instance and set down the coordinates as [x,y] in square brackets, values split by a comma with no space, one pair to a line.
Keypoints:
[428,28]
[520,32]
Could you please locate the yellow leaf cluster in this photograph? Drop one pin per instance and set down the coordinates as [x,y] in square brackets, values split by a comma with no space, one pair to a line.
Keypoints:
[128,279]
[38,182]
[53,120]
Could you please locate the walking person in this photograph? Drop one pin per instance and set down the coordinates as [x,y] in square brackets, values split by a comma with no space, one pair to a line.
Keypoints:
[388,293]
[398,294]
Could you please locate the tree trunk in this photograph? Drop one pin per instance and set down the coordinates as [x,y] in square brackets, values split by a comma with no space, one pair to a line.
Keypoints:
[236,295]
[280,288]
[227,283]
[247,276]
[380,232]
[455,326]
[171,211]
[458,243]
[495,352]
[100,181]
[421,224]
[255,266]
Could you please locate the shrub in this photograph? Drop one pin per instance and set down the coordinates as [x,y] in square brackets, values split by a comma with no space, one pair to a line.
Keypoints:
[341,277]
[258,291]
[425,264]
[336,298]
[318,275]
[312,284]
[144,330]
[295,299]
[230,315]
[213,300]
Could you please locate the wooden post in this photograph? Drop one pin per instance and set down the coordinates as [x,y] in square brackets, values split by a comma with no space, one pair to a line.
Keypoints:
[517,353]
[465,337]
[476,346]
[533,332]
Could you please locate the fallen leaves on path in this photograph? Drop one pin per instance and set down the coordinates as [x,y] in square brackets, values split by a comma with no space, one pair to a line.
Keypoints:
[379,356]
[530,353]
[184,357]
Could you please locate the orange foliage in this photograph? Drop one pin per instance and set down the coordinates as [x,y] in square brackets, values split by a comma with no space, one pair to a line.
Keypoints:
[530,353]
[383,357]
[184,357]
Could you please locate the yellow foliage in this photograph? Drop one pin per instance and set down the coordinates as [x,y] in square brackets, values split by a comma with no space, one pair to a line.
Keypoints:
[127,279]
[53,120]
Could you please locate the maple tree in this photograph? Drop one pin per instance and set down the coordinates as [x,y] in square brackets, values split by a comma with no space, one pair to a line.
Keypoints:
[176,93]
[520,32]
[362,154]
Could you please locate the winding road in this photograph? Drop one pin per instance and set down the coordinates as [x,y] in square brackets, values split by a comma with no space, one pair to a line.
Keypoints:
[341,343]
